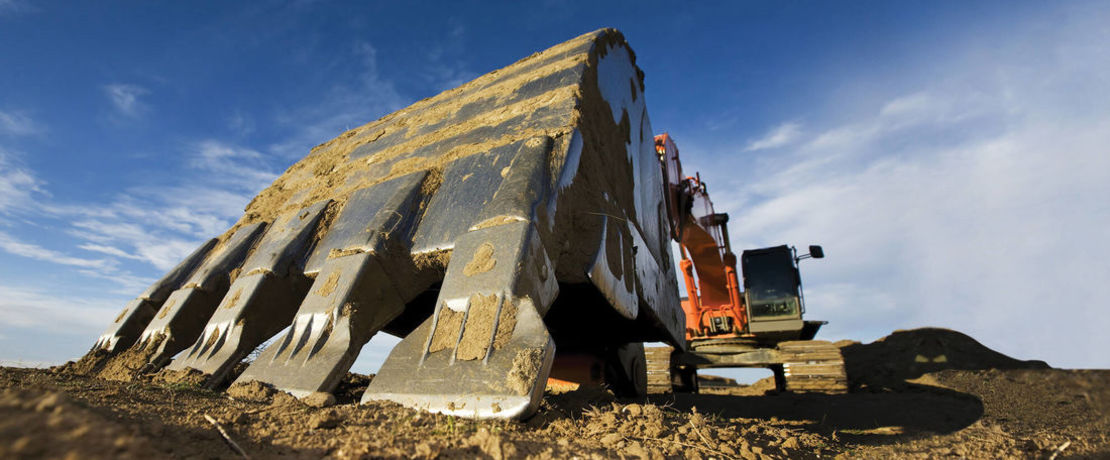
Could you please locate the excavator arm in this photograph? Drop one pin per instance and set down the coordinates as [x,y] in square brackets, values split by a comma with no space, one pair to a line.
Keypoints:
[713,305]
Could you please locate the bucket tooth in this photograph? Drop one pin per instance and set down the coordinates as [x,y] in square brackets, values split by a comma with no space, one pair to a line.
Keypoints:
[261,301]
[485,352]
[129,325]
[354,294]
[184,314]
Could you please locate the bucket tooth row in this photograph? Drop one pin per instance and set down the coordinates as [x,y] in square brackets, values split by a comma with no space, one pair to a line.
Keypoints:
[354,294]
[184,314]
[129,325]
[496,193]
[261,300]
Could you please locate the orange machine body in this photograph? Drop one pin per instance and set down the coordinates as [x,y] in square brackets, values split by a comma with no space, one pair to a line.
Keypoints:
[713,305]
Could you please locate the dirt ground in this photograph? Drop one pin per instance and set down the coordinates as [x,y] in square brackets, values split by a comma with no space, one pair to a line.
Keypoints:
[924,393]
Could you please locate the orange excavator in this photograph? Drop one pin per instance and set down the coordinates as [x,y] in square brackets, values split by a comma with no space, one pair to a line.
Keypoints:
[515,228]
[760,325]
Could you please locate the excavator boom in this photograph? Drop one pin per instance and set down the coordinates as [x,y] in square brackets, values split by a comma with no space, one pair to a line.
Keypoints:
[713,305]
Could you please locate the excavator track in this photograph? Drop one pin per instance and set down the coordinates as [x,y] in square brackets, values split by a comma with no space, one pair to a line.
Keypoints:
[658,369]
[806,366]
[813,366]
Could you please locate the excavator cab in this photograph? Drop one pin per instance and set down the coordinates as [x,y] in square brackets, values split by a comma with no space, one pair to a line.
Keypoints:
[773,292]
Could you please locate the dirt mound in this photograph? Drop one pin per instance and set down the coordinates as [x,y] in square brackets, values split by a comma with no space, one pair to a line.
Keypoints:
[130,363]
[48,424]
[715,381]
[908,354]
[89,364]
[764,386]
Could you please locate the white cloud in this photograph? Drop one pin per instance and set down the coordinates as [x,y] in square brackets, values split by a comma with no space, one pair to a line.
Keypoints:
[125,98]
[17,185]
[155,244]
[780,136]
[980,237]
[17,124]
[243,167]
[30,308]
[12,245]
[159,223]
[110,250]
[22,194]
[974,203]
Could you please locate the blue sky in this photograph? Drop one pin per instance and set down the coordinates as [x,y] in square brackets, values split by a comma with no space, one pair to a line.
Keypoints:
[951,157]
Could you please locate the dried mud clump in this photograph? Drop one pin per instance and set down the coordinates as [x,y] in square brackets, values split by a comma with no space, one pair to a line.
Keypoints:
[447,330]
[319,399]
[89,364]
[478,332]
[482,261]
[129,364]
[188,376]
[252,391]
[480,323]
[436,260]
[526,365]
[351,388]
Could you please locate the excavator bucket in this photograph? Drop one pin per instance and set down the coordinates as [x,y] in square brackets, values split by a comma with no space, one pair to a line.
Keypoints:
[487,226]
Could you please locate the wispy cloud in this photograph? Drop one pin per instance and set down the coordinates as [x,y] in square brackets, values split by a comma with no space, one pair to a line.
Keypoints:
[780,136]
[109,250]
[241,124]
[30,308]
[14,6]
[125,98]
[161,245]
[17,184]
[17,124]
[244,167]
[161,224]
[12,245]
[444,67]
[349,103]
[154,224]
